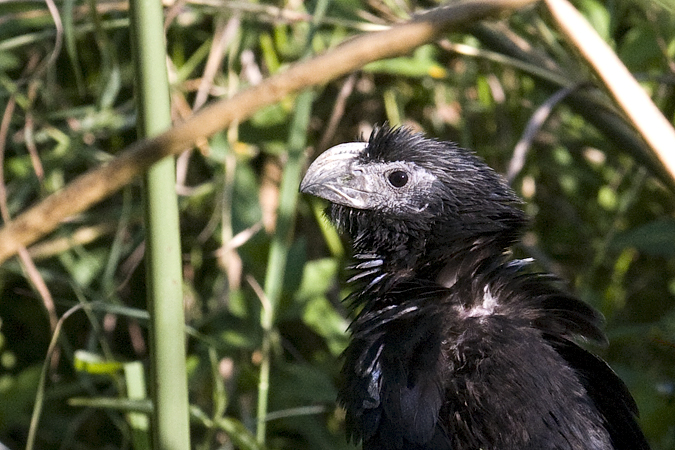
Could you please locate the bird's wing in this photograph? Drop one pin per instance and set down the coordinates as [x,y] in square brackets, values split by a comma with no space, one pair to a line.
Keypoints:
[561,317]
[608,392]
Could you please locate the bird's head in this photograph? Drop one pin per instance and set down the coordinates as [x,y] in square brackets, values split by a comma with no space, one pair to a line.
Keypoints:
[415,203]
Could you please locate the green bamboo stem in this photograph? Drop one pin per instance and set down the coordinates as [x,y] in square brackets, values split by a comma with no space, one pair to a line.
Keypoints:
[134,378]
[281,243]
[170,424]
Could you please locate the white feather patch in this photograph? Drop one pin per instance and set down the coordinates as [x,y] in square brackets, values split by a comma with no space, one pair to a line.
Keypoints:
[486,308]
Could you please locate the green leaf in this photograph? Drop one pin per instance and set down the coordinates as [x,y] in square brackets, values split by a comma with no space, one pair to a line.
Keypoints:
[640,49]
[597,16]
[321,316]
[8,61]
[318,277]
[119,404]
[272,115]
[239,434]
[17,395]
[420,65]
[607,198]
[84,267]
[655,238]
[302,384]
[95,364]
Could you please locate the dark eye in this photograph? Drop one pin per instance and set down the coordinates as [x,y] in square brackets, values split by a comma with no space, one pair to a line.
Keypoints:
[398,178]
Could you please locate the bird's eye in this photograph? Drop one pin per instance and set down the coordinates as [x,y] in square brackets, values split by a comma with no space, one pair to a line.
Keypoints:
[398,178]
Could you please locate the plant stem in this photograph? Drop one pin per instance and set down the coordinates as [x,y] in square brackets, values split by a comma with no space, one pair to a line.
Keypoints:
[281,243]
[163,251]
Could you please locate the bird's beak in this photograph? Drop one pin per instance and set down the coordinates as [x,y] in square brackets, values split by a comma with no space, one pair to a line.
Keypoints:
[336,176]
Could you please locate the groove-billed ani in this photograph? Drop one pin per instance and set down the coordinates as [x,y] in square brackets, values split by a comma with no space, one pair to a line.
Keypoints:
[454,346]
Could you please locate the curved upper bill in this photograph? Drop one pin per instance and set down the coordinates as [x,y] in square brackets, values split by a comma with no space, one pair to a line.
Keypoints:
[337,176]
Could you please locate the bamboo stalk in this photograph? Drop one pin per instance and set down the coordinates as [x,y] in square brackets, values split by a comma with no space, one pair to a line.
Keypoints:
[281,243]
[170,421]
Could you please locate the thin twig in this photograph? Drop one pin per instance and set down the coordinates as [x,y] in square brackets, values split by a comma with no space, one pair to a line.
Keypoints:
[222,37]
[295,412]
[539,71]
[259,292]
[40,396]
[4,131]
[533,126]
[32,273]
[338,112]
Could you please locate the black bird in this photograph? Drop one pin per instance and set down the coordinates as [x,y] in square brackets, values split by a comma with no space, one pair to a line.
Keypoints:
[454,345]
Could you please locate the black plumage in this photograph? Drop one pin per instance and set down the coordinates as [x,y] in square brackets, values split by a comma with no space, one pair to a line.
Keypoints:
[455,345]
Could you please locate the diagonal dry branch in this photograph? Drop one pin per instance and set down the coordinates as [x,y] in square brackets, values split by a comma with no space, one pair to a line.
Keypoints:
[103,181]
[629,95]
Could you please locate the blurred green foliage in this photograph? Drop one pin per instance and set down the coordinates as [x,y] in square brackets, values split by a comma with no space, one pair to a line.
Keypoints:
[600,218]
